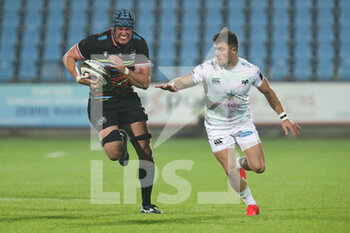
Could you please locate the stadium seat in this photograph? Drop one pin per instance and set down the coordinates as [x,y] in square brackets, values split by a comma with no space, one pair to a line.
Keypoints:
[279,69]
[213,18]
[189,33]
[6,68]
[237,4]
[167,33]
[258,17]
[345,69]
[76,33]
[55,18]
[344,4]
[52,52]
[257,52]
[56,5]
[302,69]
[193,4]
[210,31]
[303,16]
[280,16]
[144,19]
[79,4]
[258,33]
[146,6]
[211,5]
[191,17]
[258,4]
[166,53]
[100,20]
[10,18]
[302,49]
[166,5]
[11,5]
[7,50]
[189,54]
[303,4]
[101,5]
[324,69]
[168,17]
[124,4]
[235,18]
[33,18]
[35,5]
[27,71]
[325,4]
[77,18]
[280,32]
[325,16]
[303,32]
[280,50]
[31,34]
[53,35]
[29,51]
[9,34]
[325,32]
[344,50]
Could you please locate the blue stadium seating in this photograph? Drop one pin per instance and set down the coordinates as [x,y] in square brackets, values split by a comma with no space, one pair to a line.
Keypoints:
[303,32]
[101,5]
[259,17]
[325,32]
[303,16]
[192,4]
[280,50]
[344,4]
[54,35]
[11,5]
[124,4]
[52,52]
[302,69]
[166,53]
[280,16]
[33,18]
[55,18]
[236,5]
[6,68]
[213,17]
[303,4]
[77,18]
[325,4]
[168,34]
[27,71]
[280,33]
[258,33]
[189,33]
[168,18]
[56,5]
[35,5]
[7,50]
[189,54]
[100,20]
[345,69]
[30,51]
[31,35]
[76,33]
[9,34]
[235,18]
[191,17]
[213,4]
[279,69]
[10,17]
[325,16]
[146,6]
[165,5]
[302,50]
[259,4]
[324,69]
[79,4]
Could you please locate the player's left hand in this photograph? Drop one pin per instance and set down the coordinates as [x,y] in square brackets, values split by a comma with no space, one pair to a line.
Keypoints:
[293,127]
[115,61]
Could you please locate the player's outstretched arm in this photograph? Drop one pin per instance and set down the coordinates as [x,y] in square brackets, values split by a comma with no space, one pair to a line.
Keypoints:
[179,83]
[276,105]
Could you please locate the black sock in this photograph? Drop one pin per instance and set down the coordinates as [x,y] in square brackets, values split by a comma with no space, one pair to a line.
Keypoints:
[146,168]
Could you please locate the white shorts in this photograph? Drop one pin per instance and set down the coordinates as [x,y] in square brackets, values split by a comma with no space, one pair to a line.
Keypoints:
[244,135]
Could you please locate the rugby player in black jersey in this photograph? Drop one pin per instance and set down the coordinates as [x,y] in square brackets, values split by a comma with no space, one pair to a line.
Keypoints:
[125,54]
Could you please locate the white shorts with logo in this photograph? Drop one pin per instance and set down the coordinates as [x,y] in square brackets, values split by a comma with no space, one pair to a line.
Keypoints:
[244,135]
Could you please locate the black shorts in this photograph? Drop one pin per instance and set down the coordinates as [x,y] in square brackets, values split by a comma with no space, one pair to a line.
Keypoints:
[120,110]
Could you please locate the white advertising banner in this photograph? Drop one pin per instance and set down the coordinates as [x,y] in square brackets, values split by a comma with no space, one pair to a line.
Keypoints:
[311,103]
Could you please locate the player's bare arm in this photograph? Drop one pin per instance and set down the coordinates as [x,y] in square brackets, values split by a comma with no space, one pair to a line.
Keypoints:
[141,78]
[70,61]
[179,83]
[276,105]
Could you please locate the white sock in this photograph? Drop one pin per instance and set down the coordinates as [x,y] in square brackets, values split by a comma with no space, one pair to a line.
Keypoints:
[238,162]
[247,197]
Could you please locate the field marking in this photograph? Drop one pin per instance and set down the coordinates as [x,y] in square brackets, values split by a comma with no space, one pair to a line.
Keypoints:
[39,199]
[56,154]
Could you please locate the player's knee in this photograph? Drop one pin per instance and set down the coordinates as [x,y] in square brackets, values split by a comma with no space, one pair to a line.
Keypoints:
[147,151]
[260,168]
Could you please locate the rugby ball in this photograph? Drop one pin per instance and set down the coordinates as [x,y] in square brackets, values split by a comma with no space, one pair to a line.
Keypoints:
[96,69]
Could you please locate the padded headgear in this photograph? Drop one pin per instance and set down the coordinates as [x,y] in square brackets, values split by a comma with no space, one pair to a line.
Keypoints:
[124,18]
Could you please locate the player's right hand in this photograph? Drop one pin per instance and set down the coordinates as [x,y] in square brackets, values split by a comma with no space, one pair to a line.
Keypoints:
[168,87]
[86,80]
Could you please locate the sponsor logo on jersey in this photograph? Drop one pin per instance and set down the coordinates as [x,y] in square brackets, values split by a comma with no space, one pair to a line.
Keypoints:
[215,80]
[133,55]
[245,82]
[105,54]
[244,134]
[218,141]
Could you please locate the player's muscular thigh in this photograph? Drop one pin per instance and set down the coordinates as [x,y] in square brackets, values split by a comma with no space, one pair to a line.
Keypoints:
[255,158]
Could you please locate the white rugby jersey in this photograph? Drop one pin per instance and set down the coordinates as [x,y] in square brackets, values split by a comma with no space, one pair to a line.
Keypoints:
[227,91]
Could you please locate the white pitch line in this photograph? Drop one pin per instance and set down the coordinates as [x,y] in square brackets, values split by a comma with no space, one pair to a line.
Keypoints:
[55,154]
[40,199]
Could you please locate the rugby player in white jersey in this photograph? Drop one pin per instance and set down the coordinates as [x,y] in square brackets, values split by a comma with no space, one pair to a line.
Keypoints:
[227,80]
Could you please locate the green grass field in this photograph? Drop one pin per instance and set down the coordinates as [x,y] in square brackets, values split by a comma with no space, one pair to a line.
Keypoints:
[305,188]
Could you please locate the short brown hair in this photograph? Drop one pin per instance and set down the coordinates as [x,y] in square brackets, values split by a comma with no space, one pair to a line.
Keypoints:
[227,36]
